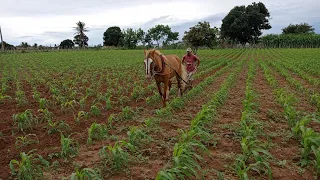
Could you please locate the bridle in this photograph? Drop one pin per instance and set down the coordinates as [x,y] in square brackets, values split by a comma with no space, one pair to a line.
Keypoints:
[152,71]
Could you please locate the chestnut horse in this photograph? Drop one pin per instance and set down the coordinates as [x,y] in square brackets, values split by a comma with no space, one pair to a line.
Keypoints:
[165,69]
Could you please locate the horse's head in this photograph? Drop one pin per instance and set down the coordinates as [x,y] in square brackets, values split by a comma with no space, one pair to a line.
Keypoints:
[149,63]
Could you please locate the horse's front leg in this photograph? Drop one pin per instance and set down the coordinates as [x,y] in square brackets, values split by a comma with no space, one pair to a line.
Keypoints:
[159,88]
[166,82]
[179,86]
[168,90]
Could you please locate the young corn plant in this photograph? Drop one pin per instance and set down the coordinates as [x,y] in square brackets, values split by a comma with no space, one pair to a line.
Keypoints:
[58,126]
[316,152]
[68,105]
[138,92]
[114,156]
[42,103]
[80,116]
[28,167]
[4,97]
[310,139]
[95,111]
[97,132]
[108,103]
[86,173]
[23,141]
[126,114]
[69,147]
[45,115]
[24,120]
[36,95]
[21,98]
[137,138]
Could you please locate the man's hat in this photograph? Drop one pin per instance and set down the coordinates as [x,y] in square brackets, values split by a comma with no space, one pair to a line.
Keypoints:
[189,50]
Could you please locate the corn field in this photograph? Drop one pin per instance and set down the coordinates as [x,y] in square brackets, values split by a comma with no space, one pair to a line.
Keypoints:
[252,114]
[291,41]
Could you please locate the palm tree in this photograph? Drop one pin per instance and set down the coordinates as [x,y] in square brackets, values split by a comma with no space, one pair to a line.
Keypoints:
[80,32]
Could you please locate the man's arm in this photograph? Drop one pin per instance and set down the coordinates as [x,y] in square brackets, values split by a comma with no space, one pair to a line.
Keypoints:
[197,60]
[183,59]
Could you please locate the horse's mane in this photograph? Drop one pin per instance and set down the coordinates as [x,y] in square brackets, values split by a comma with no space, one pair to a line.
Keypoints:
[155,51]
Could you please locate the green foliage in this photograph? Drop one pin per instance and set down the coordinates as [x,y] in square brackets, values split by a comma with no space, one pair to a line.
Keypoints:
[302,28]
[112,36]
[81,38]
[244,24]
[291,41]
[162,33]
[201,35]
[130,38]
[66,44]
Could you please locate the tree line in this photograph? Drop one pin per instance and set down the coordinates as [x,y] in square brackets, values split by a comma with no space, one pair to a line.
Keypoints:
[242,25]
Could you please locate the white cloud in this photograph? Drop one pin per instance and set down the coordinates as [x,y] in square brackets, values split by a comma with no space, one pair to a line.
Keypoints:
[48,22]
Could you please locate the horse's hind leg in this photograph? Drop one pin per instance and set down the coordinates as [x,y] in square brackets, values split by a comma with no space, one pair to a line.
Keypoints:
[179,86]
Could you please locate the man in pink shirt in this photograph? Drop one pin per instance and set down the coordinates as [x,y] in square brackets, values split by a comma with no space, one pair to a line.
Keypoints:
[190,61]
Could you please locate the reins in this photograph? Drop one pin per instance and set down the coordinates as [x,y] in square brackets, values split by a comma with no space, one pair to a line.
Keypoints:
[163,65]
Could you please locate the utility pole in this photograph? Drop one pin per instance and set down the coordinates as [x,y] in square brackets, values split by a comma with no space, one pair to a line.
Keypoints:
[1,40]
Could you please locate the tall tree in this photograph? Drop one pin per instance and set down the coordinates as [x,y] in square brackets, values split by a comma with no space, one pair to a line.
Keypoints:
[201,35]
[112,36]
[35,46]
[7,46]
[130,38]
[24,45]
[148,40]
[81,42]
[160,33]
[66,44]
[81,38]
[141,36]
[302,28]
[244,24]
[172,36]
[2,42]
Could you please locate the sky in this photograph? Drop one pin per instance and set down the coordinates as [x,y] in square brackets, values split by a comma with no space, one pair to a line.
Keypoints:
[48,22]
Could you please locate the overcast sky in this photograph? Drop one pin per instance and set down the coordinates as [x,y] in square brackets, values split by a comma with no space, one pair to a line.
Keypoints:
[51,21]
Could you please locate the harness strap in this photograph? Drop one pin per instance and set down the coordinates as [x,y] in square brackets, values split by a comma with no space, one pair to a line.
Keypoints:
[162,69]
[162,63]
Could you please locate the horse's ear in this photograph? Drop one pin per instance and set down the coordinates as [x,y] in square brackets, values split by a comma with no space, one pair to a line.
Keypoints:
[152,52]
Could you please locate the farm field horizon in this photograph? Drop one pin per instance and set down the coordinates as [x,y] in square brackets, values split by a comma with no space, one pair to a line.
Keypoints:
[251,113]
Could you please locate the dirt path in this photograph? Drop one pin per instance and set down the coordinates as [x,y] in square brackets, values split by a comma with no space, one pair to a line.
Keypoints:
[283,148]
[225,127]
